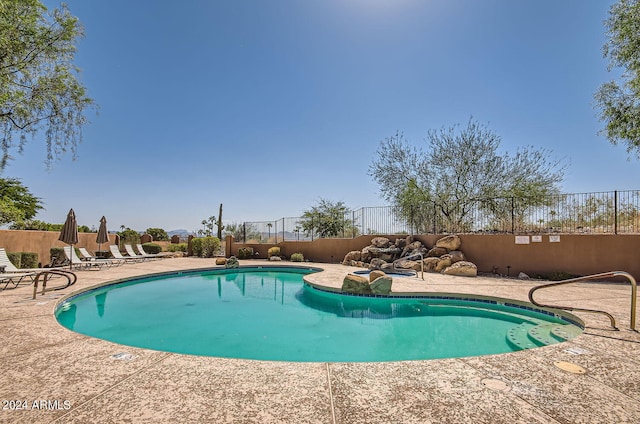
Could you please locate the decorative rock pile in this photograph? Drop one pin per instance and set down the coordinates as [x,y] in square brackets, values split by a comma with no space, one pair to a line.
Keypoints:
[377,283]
[445,257]
[232,262]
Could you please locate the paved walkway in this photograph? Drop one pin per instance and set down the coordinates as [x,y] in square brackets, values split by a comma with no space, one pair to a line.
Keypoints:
[63,377]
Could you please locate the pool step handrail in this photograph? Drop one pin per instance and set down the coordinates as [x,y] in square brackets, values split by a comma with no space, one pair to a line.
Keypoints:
[610,274]
[47,274]
[408,258]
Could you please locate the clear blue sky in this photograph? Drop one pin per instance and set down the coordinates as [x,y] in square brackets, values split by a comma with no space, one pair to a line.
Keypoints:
[268,106]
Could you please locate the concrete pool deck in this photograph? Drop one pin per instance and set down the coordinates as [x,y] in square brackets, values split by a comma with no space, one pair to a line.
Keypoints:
[58,376]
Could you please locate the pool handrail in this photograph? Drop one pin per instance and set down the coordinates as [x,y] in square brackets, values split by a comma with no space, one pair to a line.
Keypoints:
[630,277]
[47,274]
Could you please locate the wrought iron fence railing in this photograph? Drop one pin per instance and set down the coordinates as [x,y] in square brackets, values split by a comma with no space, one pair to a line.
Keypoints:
[613,212]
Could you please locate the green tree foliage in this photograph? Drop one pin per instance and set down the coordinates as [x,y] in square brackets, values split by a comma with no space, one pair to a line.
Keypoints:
[460,169]
[16,202]
[39,87]
[619,104]
[327,219]
[34,224]
[205,247]
[158,234]
[129,236]
[238,231]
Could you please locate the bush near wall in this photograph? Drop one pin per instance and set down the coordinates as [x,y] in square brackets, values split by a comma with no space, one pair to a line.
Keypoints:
[177,247]
[273,251]
[205,247]
[297,257]
[24,259]
[151,248]
[245,253]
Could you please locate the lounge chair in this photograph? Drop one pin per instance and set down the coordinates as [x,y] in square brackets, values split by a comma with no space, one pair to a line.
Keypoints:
[13,275]
[86,256]
[6,266]
[155,255]
[133,253]
[15,278]
[77,263]
[115,251]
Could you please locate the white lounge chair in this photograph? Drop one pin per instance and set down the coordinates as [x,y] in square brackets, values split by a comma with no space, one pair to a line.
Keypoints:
[86,256]
[10,274]
[155,255]
[129,249]
[78,263]
[115,251]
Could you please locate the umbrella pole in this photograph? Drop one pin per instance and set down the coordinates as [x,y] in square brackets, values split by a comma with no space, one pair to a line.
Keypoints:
[71,258]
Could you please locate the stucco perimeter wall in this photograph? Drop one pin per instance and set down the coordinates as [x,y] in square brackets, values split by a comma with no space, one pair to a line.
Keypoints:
[41,242]
[572,254]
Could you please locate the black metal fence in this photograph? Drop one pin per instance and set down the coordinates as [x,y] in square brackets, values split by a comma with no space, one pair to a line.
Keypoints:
[613,212]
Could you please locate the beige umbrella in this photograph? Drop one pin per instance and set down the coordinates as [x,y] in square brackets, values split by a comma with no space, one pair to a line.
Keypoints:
[69,232]
[103,236]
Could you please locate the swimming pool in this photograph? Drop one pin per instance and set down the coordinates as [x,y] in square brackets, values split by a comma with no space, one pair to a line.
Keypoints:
[270,313]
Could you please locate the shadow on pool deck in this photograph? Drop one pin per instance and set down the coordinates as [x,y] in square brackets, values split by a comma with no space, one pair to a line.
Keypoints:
[50,374]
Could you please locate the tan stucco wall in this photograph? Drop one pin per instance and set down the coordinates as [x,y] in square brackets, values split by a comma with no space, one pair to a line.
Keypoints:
[41,241]
[573,254]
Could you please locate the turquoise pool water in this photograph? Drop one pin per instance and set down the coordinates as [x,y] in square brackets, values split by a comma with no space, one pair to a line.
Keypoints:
[270,314]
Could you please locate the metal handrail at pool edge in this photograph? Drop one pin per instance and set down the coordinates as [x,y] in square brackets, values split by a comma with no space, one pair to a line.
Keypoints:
[630,277]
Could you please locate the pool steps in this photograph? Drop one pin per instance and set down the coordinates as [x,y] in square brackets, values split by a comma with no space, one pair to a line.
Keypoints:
[524,336]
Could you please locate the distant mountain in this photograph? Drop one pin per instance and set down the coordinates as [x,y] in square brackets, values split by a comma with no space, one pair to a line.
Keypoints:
[181,233]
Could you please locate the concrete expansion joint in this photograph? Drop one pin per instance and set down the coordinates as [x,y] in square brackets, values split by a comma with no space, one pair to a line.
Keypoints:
[113,386]
[333,411]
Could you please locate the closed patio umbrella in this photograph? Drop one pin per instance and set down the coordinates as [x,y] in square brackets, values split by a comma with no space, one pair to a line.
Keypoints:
[103,236]
[69,232]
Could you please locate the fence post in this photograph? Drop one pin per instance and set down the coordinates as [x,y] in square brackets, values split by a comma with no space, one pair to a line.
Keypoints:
[244,232]
[412,219]
[283,239]
[434,217]
[513,216]
[353,224]
[615,212]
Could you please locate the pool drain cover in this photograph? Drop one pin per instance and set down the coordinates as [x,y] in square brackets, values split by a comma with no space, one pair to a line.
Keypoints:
[570,367]
[494,384]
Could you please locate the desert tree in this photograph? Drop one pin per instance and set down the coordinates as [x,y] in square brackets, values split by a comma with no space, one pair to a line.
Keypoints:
[618,102]
[460,171]
[39,87]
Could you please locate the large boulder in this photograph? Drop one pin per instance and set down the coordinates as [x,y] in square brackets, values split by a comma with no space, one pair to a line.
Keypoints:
[376,273]
[356,284]
[430,264]
[354,255]
[376,263]
[366,255]
[462,268]
[436,252]
[451,242]
[443,263]
[401,243]
[410,247]
[457,256]
[380,242]
[232,262]
[381,285]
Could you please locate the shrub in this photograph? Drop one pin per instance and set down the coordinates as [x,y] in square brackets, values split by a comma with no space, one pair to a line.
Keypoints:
[273,251]
[177,247]
[15,258]
[28,260]
[24,259]
[245,253]
[297,257]
[152,248]
[57,255]
[205,247]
